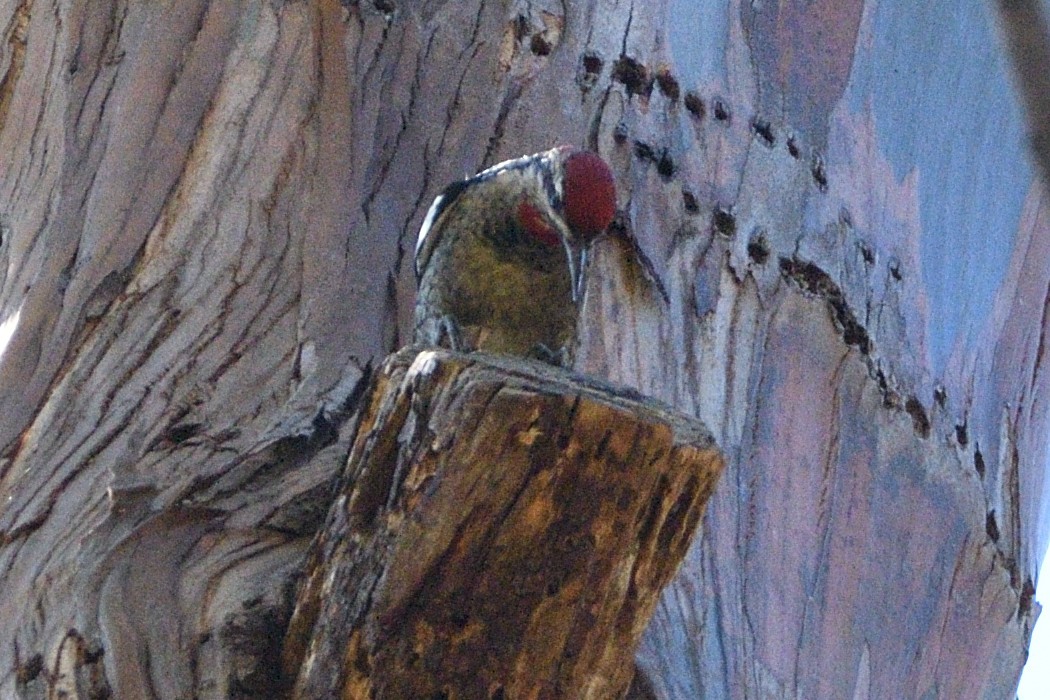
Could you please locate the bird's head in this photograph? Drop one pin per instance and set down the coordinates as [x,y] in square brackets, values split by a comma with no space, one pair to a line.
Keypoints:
[562,197]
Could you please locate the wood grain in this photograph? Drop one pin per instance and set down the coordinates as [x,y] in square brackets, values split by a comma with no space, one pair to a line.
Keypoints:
[504,531]
[207,212]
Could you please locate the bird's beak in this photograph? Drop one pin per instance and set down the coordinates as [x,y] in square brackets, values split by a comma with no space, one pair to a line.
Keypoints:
[577,255]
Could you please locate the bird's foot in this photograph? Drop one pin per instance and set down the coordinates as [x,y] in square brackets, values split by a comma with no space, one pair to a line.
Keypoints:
[562,357]
[441,332]
[450,335]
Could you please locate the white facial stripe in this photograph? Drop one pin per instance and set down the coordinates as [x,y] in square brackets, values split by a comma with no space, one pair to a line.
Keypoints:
[428,221]
[424,230]
[555,162]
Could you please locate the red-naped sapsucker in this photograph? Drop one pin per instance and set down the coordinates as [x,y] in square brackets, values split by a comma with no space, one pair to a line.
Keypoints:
[500,256]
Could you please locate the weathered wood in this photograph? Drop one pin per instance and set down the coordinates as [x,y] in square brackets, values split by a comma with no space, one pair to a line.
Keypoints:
[504,530]
[207,209]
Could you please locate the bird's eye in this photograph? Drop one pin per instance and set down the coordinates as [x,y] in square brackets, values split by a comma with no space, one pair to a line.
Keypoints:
[536,225]
[590,194]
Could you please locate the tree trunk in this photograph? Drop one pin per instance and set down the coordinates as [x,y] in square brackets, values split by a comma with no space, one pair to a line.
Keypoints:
[830,249]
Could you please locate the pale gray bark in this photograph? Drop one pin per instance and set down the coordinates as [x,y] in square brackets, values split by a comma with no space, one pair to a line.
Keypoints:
[207,211]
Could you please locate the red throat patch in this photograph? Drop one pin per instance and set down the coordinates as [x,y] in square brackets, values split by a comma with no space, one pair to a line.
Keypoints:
[590,194]
[536,224]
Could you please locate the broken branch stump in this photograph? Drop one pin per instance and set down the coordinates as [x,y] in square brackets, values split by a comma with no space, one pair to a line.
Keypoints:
[504,531]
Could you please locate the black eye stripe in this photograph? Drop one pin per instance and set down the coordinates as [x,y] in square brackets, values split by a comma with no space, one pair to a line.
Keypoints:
[448,196]
[551,189]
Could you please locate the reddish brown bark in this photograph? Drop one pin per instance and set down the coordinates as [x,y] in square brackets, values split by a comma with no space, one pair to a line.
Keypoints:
[505,531]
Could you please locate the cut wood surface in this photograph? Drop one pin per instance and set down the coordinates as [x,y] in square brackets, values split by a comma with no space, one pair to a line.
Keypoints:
[504,530]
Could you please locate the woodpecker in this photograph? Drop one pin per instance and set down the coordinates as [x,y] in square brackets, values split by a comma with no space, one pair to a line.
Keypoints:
[500,255]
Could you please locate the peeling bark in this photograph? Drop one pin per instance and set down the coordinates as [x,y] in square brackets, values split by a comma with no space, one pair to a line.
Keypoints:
[207,211]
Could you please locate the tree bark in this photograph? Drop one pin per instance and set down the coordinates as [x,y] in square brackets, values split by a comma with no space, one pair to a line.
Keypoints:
[828,248]
[504,531]
[1023,24]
